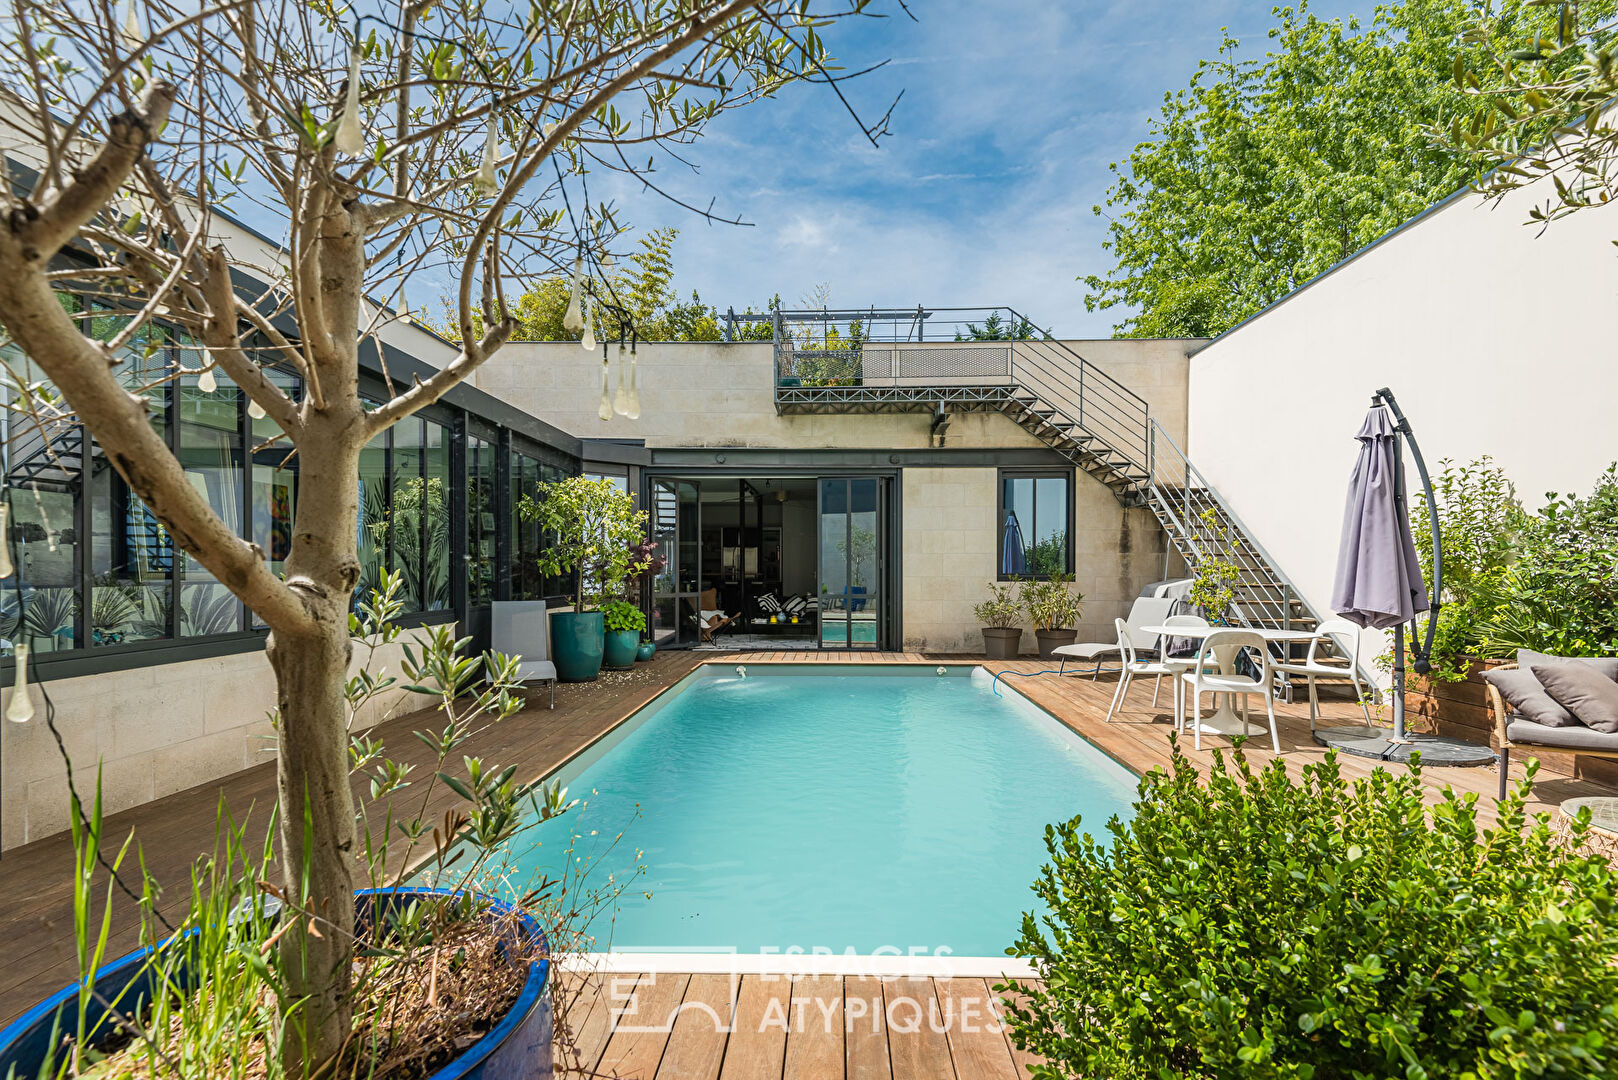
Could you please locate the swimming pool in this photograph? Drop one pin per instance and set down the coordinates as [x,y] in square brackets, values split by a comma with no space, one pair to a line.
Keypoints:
[851,809]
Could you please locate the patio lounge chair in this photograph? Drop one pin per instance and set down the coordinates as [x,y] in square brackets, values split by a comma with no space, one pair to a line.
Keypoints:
[1146,611]
[1513,732]
[709,619]
[522,628]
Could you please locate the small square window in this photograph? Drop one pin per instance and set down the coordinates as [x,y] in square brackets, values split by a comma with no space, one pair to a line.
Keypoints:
[1036,524]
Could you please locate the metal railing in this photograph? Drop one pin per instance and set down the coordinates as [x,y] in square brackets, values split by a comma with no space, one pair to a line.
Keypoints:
[959,347]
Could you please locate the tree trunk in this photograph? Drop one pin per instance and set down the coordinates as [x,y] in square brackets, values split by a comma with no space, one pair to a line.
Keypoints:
[317,825]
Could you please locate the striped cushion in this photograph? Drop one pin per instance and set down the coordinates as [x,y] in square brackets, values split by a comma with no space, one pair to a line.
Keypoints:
[795,605]
[769,602]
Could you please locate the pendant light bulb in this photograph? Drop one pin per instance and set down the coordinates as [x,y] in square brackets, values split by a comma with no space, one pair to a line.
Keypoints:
[633,412]
[350,136]
[486,181]
[605,410]
[573,318]
[589,339]
[134,34]
[20,709]
[620,400]
[255,410]
[6,569]
[206,382]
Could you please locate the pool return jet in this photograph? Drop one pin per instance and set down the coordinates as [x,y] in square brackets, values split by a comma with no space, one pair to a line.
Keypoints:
[1379,583]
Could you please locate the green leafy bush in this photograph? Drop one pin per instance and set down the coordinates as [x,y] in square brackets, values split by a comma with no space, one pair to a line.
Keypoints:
[1001,609]
[622,615]
[1257,927]
[1052,604]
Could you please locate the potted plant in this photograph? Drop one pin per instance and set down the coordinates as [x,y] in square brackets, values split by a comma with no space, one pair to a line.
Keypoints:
[1213,585]
[623,624]
[470,935]
[1054,607]
[593,525]
[999,615]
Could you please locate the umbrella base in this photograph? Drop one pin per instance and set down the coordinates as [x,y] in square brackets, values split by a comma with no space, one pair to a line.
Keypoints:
[1377,742]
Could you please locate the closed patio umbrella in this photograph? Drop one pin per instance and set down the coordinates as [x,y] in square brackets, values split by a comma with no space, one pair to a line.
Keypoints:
[1379,582]
[1013,558]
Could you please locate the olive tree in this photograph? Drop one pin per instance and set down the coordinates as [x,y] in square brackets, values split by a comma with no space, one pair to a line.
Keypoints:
[439,141]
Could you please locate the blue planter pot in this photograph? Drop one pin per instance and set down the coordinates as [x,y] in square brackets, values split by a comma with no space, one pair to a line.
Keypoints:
[577,641]
[619,647]
[518,1046]
[646,650]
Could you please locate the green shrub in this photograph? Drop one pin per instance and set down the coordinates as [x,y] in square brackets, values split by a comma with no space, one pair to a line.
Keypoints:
[622,615]
[1051,604]
[1001,609]
[1256,927]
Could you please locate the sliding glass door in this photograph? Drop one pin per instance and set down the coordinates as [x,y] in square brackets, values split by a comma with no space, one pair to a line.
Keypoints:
[677,589]
[851,535]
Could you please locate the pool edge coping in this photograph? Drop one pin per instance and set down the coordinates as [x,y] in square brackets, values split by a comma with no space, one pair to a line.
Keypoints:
[845,965]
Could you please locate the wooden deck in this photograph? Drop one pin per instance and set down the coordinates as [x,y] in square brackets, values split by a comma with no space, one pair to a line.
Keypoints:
[35,898]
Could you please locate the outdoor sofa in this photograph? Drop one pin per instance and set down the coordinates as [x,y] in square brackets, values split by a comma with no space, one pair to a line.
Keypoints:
[1514,729]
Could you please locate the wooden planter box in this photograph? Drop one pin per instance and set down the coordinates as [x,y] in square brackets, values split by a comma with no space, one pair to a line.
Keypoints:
[1461,710]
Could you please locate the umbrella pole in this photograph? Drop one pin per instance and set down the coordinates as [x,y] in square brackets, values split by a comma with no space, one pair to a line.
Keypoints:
[1402,435]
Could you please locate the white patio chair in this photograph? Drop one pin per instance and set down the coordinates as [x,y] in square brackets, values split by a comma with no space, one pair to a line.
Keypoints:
[1134,666]
[1181,664]
[1203,680]
[1145,611]
[1314,666]
[522,628]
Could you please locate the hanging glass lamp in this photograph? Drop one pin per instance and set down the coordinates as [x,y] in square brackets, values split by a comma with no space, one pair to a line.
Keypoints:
[206,382]
[6,568]
[620,400]
[605,409]
[589,339]
[486,181]
[350,135]
[20,709]
[573,318]
[633,411]
[255,410]
[133,33]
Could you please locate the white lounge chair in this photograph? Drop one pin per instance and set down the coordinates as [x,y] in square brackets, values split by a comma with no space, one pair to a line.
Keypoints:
[1315,667]
[522,628]
[1145,611]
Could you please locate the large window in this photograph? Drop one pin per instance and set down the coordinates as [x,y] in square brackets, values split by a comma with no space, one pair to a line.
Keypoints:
[1036,524]
[480,523]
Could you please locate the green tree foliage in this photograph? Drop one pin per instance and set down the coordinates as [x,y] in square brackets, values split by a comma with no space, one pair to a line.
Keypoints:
[1257,926]
[1264,172]
[995,327]
[1542,99]
[639,296]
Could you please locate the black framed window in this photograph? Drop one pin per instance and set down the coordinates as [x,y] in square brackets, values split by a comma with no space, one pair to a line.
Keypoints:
[1035,523]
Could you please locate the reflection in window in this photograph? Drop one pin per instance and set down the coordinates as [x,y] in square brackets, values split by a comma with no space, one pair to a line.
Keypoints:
[435,572]
[1035,513]
[406,505]
[373,524]
[212,456]
[275,484]
[527,583]
[480,524]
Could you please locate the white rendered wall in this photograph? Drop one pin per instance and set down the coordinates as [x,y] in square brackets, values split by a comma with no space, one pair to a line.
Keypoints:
[1495,337]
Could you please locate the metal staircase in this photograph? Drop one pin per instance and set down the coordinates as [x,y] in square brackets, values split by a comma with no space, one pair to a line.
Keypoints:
[922,360]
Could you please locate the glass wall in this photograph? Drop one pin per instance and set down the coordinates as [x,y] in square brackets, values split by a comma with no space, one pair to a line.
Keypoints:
[77,530]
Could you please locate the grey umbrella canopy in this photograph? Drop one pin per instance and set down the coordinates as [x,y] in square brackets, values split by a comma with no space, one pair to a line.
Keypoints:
[1014,556]
[1379,582]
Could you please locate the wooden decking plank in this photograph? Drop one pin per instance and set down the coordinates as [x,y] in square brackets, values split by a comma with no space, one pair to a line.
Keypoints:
[1021,1059]
[815,1037]
[641,1027]
[696,1047]
[977,1042]
[865,1030]
[917,1046]
[582,1003]
[757,1047]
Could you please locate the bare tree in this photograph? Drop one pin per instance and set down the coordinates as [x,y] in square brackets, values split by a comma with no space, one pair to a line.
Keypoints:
[441,139]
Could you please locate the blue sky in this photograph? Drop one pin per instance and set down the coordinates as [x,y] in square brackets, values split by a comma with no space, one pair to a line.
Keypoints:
[982,195]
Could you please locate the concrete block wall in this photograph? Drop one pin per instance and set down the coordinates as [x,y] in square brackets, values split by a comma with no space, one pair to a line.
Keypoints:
[152,731]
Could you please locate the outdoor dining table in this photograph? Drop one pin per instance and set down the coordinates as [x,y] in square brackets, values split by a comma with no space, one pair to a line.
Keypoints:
[1225,720]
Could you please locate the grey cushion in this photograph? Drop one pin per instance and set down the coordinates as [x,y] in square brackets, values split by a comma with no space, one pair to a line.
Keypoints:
[1607,665]
[1583,691]
[1527,697]
[1573,738]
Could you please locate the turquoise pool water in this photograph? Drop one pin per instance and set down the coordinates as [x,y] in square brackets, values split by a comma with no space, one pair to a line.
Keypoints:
[830,808]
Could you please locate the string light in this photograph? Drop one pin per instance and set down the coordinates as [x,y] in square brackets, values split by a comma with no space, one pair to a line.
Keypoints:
[20,709]
[255,410]
[350,136]
[6,568]
[589,339]
[605,409]
[206,382]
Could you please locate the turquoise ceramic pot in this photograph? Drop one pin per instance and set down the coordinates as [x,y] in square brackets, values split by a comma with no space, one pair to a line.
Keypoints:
[645,650]
[620,649]
[576,644]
